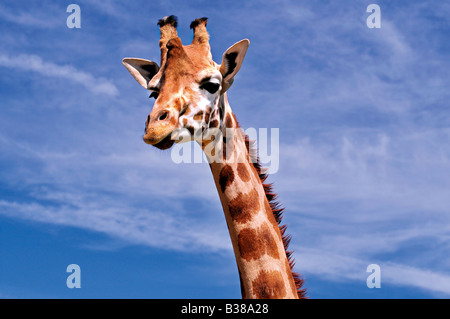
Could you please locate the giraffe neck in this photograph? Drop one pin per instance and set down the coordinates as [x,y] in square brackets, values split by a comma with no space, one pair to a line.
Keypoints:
[263,264]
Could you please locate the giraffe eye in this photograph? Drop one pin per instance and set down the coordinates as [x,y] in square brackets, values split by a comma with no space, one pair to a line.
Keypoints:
[154,95]
[211,87]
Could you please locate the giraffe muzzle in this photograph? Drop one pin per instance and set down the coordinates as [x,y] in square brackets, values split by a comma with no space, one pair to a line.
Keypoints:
[159,127]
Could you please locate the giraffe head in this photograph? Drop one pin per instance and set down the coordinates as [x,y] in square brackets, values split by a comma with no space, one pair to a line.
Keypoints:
[188,84]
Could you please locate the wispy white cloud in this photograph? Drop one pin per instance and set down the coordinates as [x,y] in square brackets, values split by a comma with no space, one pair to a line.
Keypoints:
[115,9]
[415,277]
[34,63]
[334,266]
[26,16]
[402,169]
[360,197]
[137,196]
[135,226]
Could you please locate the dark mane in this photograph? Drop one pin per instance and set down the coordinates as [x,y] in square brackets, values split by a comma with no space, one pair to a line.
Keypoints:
[173,20]
[197,21]
[277,211]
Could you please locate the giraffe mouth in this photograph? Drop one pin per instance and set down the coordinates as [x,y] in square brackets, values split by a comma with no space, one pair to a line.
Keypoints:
[165,143]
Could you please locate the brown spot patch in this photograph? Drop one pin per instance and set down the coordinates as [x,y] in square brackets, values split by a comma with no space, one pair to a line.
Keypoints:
[244,206]
[228,121]
[213,152]
[269,285]
[198,116]
[226,177]
[214,123]
[243,172]
[254,243]
[173,120]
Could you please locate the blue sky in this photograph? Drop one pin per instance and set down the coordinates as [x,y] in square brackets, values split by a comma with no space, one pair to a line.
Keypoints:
[364,149]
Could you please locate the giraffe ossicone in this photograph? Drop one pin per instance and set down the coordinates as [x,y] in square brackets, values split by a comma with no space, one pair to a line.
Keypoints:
[190,92]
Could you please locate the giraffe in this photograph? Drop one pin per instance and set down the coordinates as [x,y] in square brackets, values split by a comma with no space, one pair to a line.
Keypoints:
[190,92]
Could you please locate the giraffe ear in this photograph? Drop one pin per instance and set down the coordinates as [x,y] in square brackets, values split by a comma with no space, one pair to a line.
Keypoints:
[142,70]
[232,61]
